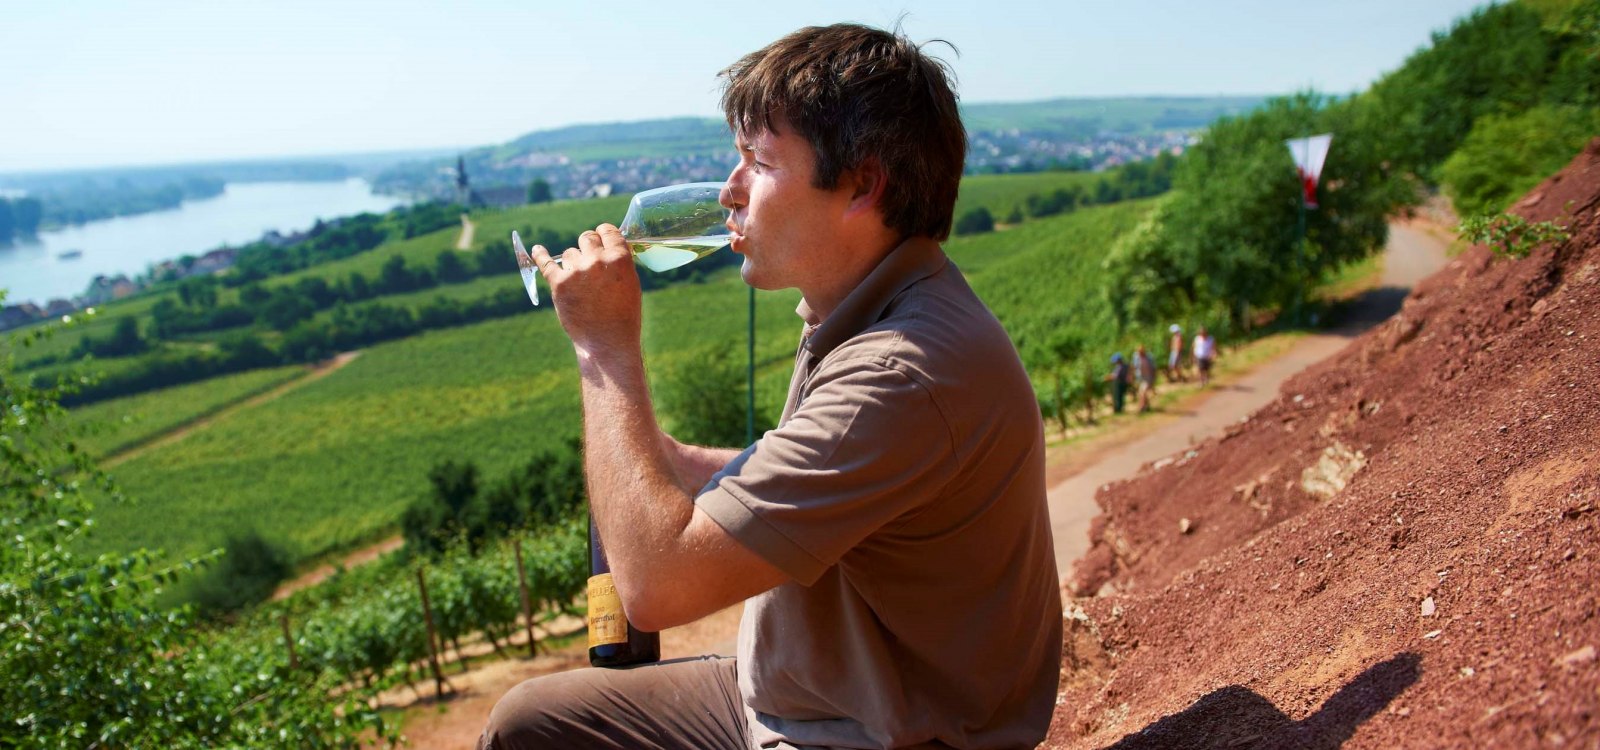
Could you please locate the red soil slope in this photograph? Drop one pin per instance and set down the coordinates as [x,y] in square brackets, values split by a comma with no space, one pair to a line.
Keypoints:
[1402,550]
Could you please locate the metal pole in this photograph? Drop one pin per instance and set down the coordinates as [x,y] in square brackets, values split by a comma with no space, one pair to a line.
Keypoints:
[1300,263]
[750,378]
[1300,250]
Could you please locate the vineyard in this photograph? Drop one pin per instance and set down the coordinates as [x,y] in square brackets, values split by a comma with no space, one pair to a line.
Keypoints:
[370,625]
[114,426]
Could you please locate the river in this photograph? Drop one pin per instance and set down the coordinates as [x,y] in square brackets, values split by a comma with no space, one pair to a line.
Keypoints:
[33,270]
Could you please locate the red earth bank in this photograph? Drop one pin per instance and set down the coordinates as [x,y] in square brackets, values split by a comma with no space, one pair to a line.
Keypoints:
[1402,550]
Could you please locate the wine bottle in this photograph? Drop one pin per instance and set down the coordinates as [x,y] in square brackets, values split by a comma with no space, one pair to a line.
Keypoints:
[612,642]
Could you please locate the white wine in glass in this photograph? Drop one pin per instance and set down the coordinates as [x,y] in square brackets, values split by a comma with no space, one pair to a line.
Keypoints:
[670,226]
[665,228]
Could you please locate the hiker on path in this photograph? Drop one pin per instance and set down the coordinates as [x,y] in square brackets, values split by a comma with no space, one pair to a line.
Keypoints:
[890,538]
[1205,353]
[1175,353]
[1119,378]
[1144,374]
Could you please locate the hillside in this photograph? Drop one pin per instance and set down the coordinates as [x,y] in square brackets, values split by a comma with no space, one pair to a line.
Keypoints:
[1399,551]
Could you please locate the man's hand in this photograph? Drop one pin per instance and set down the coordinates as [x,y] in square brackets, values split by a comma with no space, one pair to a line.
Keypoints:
[596,292]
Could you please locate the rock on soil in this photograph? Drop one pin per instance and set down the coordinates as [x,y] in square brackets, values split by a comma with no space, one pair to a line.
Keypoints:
[1402,550]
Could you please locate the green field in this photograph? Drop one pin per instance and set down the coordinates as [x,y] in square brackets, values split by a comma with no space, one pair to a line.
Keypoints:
[121,423]
[61,342]
[1001,192]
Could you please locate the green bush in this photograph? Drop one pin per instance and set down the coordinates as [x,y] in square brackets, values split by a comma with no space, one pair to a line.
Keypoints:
[250,570]
[976,221]
[1506,155]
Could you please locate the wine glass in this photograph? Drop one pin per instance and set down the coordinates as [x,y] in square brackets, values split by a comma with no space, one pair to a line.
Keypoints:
[665,228]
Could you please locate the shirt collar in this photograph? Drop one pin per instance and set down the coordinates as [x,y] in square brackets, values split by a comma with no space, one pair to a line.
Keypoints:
[911,261]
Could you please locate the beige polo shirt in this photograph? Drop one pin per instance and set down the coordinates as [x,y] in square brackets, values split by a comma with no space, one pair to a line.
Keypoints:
[903,492]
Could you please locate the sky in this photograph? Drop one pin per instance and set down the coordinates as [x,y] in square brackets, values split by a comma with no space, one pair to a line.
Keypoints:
[100,83]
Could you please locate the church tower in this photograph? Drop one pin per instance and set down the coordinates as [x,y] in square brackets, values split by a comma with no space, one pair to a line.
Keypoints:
[463,187]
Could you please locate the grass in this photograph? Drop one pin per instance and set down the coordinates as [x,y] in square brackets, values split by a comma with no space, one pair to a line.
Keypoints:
[1001,192]
[1352,279]
[120,424]
[63,340]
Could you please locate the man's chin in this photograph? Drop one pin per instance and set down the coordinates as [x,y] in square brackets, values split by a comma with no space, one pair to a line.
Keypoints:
[750,274]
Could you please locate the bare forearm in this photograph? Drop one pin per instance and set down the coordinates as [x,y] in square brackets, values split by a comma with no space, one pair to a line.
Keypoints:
[694,464]
[636,497]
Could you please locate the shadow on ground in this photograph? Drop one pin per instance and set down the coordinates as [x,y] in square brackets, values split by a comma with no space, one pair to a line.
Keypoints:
[1368,309]
[1237,718]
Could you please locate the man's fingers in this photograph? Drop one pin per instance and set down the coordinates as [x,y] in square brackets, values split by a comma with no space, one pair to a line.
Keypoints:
[611,239]
[547,265]
[604,243]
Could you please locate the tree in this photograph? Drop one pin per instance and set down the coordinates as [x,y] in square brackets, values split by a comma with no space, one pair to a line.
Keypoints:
[1051,357]
[394,277]
[546,489]
[451,510]
[449,268]
[125,338]
[539,191]
[702,397]
[254,295]
[1505,156]
[243,351]
[1226,237]
[250,570]
[27,213]
[285,309]
[975,221]
[88,655]
[198,291]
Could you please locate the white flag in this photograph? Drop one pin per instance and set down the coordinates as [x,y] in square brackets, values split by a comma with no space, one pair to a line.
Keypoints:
[1309,154]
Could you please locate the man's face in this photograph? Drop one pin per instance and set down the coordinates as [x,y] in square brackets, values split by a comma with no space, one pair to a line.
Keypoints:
[785,228]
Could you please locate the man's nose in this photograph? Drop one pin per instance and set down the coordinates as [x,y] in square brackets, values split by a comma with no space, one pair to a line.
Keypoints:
[730,196]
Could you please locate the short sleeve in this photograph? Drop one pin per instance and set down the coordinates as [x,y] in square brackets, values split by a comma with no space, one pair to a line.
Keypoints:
[867,446]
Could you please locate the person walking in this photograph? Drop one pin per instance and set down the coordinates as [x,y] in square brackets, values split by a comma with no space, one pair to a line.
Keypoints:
[1205,353]
[1144,375]
[1175,353]
[1119,382]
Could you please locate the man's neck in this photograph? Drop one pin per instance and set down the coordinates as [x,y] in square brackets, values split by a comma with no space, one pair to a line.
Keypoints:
[826,294]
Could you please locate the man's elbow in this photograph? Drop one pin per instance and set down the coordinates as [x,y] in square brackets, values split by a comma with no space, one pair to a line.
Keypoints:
[650,607]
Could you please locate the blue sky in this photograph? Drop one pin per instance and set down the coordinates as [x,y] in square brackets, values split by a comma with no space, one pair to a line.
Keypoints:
[91,82]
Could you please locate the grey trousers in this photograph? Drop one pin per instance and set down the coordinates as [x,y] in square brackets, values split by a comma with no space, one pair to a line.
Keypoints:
[687,704]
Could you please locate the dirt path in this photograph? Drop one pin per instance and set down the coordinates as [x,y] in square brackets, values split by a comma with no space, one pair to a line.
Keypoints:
[464,242]
[321,572]
[318,371]
[1413,253]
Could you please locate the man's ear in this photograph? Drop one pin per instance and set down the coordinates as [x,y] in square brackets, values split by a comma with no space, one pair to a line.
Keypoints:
[867,183]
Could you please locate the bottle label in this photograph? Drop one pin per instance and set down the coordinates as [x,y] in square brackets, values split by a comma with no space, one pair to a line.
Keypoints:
[607,624]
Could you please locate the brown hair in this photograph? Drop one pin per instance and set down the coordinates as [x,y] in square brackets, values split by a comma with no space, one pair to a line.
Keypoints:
[856,94]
